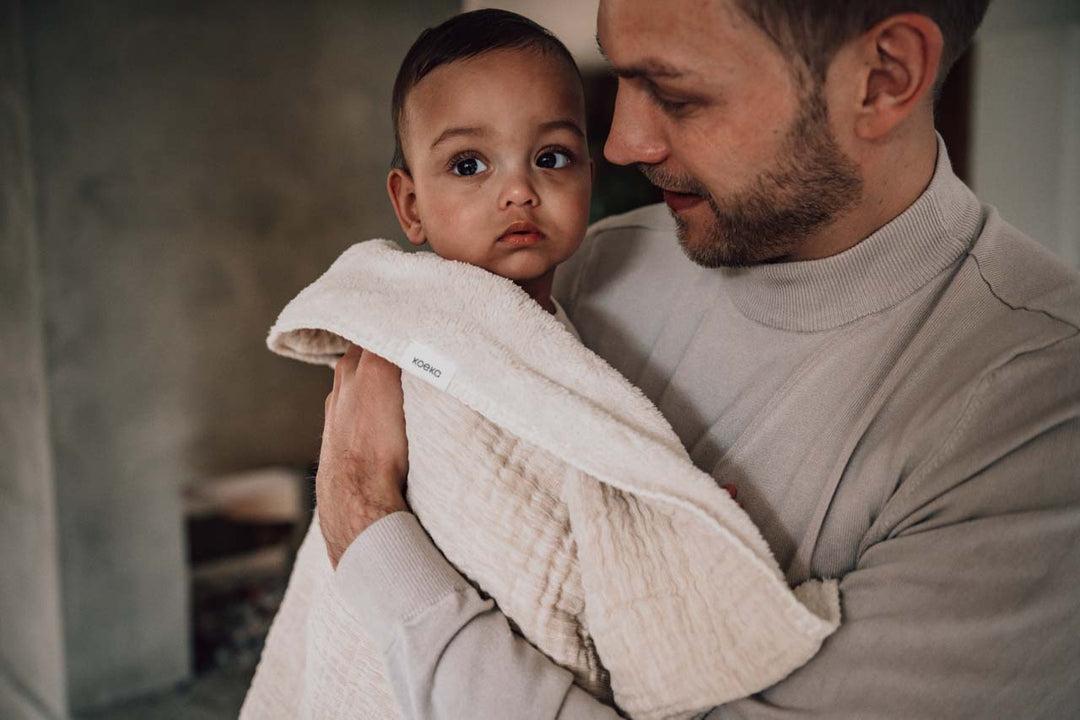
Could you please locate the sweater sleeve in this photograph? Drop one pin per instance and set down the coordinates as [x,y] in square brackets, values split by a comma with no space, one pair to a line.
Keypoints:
[962,603]
[448,652]
[963,600]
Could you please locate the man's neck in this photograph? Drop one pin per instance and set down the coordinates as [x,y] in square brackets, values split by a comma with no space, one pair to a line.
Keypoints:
[894,177]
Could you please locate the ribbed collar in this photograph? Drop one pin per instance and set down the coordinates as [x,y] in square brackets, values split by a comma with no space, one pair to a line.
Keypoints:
[879,272]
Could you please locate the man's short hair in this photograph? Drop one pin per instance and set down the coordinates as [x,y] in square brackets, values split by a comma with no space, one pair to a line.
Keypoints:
[464,36]
[815,29]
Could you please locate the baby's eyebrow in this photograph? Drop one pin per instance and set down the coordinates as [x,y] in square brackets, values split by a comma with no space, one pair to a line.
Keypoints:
[456,132]
[563,124]
[560,124]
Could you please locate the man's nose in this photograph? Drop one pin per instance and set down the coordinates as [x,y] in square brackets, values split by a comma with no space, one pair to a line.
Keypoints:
[518,189]
[634,137]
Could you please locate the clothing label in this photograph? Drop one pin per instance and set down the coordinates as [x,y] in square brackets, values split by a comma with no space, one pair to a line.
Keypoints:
[428,365]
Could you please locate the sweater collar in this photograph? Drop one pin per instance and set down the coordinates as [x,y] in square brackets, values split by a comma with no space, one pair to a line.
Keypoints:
[888,266]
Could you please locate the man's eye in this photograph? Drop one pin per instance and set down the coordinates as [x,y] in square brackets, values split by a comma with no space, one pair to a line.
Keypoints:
[468,166]
[553,159]
[672,107]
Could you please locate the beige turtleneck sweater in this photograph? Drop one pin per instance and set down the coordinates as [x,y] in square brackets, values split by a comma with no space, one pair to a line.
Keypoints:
[904,416]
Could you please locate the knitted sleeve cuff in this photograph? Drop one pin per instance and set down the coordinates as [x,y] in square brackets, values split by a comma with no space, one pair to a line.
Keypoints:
[391,572]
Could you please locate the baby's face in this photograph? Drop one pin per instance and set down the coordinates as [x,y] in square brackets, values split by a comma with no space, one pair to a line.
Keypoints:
[499,169]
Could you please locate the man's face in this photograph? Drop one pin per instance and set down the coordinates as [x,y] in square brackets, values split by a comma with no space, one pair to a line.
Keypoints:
[497,154]
[714,115]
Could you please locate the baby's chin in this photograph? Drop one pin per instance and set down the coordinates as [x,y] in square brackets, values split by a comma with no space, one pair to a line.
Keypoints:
[521,269]
[521,266]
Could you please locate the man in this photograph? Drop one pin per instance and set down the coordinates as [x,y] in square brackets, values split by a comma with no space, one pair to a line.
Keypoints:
[888,372]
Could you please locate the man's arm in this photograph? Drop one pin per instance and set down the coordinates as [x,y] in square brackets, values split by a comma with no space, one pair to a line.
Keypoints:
[449,653]
[963,602]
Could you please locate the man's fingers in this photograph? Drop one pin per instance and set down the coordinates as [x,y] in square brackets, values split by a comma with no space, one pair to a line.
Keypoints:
[380,365]
[346,364]
[383,377]
[351,358]
[339,373]
[364,456]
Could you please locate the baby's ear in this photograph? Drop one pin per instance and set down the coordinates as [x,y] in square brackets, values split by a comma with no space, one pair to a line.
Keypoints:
[402,192]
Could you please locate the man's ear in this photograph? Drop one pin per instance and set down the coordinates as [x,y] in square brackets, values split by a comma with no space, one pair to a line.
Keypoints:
[899,58]
[402,192]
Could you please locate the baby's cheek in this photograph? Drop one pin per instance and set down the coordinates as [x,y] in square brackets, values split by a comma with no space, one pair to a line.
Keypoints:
[461,251]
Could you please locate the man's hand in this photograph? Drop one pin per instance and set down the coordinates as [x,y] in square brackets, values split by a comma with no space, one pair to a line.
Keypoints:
[364,457]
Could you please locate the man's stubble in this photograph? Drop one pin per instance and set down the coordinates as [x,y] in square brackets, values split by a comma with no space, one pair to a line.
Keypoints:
[813,182]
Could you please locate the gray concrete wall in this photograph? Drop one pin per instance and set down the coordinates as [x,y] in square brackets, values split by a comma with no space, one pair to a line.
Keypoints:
[1026,119]
[31,659]
[197,164]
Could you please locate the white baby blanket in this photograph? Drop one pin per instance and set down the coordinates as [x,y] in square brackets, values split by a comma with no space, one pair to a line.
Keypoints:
[554,485]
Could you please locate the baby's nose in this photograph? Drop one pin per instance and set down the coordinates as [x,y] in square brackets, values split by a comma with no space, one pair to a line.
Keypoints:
[518,190]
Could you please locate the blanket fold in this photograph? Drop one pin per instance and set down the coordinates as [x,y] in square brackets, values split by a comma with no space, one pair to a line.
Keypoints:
[556,487]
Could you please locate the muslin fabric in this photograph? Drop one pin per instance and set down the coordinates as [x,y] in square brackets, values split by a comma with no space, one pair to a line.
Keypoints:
[555,487]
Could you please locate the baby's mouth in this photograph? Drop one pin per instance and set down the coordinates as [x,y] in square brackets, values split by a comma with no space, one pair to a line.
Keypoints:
[521,234]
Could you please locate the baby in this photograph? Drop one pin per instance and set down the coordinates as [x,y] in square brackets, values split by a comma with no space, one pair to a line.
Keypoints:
[491,165]
[491,168]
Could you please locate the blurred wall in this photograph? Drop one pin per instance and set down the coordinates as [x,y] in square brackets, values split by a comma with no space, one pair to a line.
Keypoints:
[573,21]
[31,659]
[196,165]
[1026,119]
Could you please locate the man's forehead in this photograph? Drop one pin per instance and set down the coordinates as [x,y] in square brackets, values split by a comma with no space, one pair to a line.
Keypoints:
[651,65]
[633,64]
[669,16]
[676,39]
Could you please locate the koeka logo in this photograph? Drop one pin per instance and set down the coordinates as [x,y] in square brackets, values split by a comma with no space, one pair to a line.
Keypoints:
[428,365]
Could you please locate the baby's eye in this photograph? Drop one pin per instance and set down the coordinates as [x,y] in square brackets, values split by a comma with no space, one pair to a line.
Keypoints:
[469,166]
[553,159]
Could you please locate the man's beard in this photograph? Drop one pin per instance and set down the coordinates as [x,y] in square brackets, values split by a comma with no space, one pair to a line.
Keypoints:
[813,182]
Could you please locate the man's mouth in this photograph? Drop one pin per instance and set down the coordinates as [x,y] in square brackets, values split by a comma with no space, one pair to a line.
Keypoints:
[680,201]
[675,187]
[521,234]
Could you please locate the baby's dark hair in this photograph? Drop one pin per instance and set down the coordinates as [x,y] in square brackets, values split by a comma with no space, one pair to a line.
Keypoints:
[464,36]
